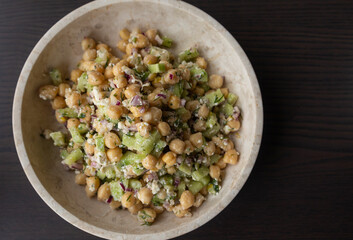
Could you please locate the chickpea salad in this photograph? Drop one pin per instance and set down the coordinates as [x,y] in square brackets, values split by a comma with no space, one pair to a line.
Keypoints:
[148,132]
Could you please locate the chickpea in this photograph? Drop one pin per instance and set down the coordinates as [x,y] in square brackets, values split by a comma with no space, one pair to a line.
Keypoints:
[146,215]
[122,45]
[124,34]
[187,199]
[92,185]
[136,112]
[167,65]
[171,170]
[118,68]
[75,74]
[74,99]
[189,148]
[89,55]
[115,96]
[234,124]
[201,62]
[163,128]
[215,81]
[128,200]
[169,158]
[180,212]
[199,200]
[158,209]
[162,194]
[114,112]
[224,144]
[196,140]
[154,100]
[62,88]
[149,162]
[215,171]
[114,204]
[111,140]
[145,195]
[59,117]
[192,105]
[144,129]
[88,43]
[87,111]
[204,191]
[203,111]
[141,41]
[150,59]
[152,116]
[120,81]
[225,92]
[132,90]
[221,164]
[113,60]
[108,72]
[200,125]
[151,35]
[95,78]
[114,155]
[177,146]
[101,46]
[174,102]
[58,103]
[89,172]
[80,179]
[185,116]
[160,164]
[199,91]
[48,92]
[73,123]
[231,156]
[135,208]
[185,72]
[171,77]
[103,192]
[129,49]
[89,149]
[210,148]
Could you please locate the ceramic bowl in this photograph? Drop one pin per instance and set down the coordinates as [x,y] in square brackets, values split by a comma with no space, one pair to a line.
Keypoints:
[60,47]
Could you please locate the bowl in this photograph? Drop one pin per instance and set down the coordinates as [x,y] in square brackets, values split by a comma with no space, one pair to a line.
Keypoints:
[60,47]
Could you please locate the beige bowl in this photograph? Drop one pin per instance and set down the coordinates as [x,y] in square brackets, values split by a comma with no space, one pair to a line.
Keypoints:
[60,47]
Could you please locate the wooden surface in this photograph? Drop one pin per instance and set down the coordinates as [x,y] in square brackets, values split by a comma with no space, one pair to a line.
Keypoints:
[301,186]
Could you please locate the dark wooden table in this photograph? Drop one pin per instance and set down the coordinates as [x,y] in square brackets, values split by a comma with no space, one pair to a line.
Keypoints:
[301,186]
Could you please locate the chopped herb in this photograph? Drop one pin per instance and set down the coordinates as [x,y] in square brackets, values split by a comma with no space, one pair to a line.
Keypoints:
[82,115]
[218,99]
[129,197]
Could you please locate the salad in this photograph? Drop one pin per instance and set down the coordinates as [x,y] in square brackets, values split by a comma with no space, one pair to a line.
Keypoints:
[148,132]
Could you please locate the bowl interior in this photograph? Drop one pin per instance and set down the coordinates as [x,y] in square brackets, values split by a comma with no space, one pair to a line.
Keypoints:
[187,28]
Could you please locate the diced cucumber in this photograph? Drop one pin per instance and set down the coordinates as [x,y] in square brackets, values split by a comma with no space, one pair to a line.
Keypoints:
[214,98]
[227,109]
[169,188]
[58,138]
[200,173]
[211,120]
[167,42]
[140,144]
[194,186]
[138,169]
[55,76]
[102,56]
[160,53]
[157,201]
[210,132]
[177,89]
[135,184]
[76,136]
[82,128]
[64,153]
[166,180]
[205,180]
[82,82]
[214,158]
[232,98]
[204,86]
[68,112]
[101,175]
[100,143]
[116,190]
[129,158]
[107,172]
[181,111]
[74,156]
[158,148]
[181,188]
[188,55]
[199,74]
[156,68]
[185,168]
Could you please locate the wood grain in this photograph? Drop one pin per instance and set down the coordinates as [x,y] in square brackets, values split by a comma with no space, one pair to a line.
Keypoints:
[301,186]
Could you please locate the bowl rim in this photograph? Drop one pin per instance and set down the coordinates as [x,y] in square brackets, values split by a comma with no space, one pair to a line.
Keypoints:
[29,171]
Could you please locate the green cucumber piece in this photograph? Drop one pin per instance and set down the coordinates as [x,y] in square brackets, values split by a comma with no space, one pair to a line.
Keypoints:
[55,76]
[214,98]
[76,136]
[160,53]
[140,144]
[100,143]
[194,186]
[211,132]
[185,169]
[181,188]
[68,112]
[74,156]
[166,180]
[116,190]
[198,74]
[169,188]
[82,128]
[232,98]
[82,82]
[167,42]
[64,153]
[100,175]
[200,173]
[130,158]
[227,109]
[205,180]
[156,68]
[158,148]
[188,55]
[215,158]
[102,56]
[135,184]
[58,138]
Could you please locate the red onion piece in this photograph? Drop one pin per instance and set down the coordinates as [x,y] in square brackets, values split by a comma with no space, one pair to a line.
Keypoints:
[236,112]
[136,101]
[109,199]
[78,166]
[129,190]
[94,164]
[142,110]
[176,182]
[162,95]
[182,102]
[118,103]
[122,186]
[171,76]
